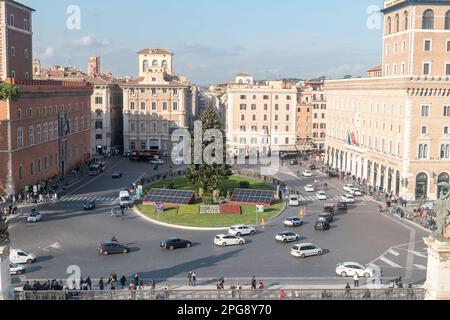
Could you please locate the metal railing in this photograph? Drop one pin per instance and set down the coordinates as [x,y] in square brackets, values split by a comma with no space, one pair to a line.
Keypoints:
[313,294]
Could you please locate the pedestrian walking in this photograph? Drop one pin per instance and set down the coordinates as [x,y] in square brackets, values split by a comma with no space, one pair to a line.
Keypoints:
[89,283]
[347,291]
[356,280]
[136,279]
[152,287]
[123,281]
[190,278]
[254,283]
[101,284]
[132,289]
[194,279]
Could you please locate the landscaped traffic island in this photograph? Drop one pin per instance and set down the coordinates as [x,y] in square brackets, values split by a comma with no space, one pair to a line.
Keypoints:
[191,216]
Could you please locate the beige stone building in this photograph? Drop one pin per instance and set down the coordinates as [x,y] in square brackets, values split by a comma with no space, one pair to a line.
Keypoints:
[156,104]
[393,132]
[261,115]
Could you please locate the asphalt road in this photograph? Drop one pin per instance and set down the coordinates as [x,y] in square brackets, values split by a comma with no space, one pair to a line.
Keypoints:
[68,236]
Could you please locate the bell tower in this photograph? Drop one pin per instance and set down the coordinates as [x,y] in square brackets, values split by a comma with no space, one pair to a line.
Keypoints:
[416,39]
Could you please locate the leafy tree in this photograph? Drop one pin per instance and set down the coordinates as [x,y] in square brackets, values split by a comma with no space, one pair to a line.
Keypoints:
[204,175]
[9,91]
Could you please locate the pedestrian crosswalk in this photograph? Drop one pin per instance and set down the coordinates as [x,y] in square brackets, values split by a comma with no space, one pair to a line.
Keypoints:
[96,199]
[306,198]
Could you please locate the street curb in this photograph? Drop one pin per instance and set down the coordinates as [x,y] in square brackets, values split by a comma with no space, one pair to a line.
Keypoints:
[172,226]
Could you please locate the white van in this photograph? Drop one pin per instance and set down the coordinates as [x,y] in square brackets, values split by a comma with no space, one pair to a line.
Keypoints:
[125,200]
[294,200]
[18,256]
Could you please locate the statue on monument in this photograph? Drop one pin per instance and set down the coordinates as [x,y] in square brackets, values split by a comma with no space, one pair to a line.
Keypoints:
[4,235]
[442,209]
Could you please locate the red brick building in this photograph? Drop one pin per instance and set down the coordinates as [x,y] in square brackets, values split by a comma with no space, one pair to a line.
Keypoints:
[46,133]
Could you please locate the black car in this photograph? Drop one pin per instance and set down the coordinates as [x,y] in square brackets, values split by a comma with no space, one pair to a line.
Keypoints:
[321,225]
[326,216]
[329,208]
[115,247]
[342,206]
[117,175]
[312,167]
[89,205]
[175,243]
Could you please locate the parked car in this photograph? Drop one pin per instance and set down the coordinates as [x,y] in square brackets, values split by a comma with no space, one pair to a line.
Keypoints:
[117,175]
[228,240]
[34,216]
[287,236]
[312,167]
[348,198]
[307,173]
[348,187]
[115,247]
[157,161]
[18,256]
[309,188]
[306,250]
[89,205]
[294,200]
[349,269]
[293,222]
[321,195]
[16,269]
[175,243]
[326,216]
[241,230]
[321,225]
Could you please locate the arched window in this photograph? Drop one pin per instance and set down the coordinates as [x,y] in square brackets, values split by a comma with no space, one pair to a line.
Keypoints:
[421,186]
[447,20]
[397,23]
[389,25]
[428,19]
[165,64]
[20,172]
[406,20]
[155,63]
[145,66]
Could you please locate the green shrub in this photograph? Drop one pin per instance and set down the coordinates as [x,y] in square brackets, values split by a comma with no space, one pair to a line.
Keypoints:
[188,210]
[244,185]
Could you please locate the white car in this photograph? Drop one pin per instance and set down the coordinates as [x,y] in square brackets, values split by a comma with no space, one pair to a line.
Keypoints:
[287,236]
[321,195]
[309,188]
[348,187]
[223,240]
[349,269]
[307,173]
[18,256]
[348,198]
[241,230]
[356,192]
[157,162]
[34,217]
[306,250]
[294,200]
[293,222]
[16,269]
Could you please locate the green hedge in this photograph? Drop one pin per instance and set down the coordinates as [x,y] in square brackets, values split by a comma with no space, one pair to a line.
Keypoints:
[188,210]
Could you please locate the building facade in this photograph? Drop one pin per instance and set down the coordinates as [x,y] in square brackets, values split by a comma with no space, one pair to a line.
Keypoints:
[261,116]
[94,66]
[311,114]
[392,132]
[16,34]
[46,133]
[156,104]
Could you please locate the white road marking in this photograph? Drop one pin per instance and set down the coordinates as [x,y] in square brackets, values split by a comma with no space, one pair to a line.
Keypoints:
[389,262]
[394,253]
[418,254]
[420,267]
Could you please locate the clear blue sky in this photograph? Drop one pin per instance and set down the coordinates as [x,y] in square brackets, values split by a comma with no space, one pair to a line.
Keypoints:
[213,39]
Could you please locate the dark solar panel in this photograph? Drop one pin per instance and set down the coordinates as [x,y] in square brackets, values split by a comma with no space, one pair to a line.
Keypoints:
[252,196]
[169,196]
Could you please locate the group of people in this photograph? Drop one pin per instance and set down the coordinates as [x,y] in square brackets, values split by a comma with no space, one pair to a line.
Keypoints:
[51,285]
[257,285]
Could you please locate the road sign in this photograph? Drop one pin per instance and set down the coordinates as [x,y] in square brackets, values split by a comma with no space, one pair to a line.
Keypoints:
[159,207]
[260,208]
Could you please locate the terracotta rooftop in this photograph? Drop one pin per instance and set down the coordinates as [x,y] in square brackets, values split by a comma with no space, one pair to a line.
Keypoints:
[154,51]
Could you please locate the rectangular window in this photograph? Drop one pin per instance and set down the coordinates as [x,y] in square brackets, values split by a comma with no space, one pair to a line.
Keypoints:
[243,107]
[424,130]
[132,127]
[25,24]
[427,45]
[276,107]
[142,105]
[447,111]
[175,106]
[448,46]
[153,106]
[446,130]
[132,105]
[98,137]
[427,68]
[11,20]
[38,135]
[447,69]
[266,97]
[164,106]
[425,111]
[242,117]
[403,46]
[243,97]
[143,145]
[253,107]
[265,107]
[98,100]
[98,124]
[20,138]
